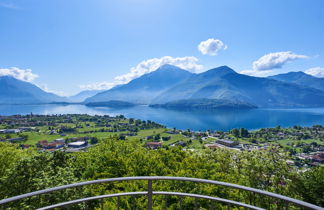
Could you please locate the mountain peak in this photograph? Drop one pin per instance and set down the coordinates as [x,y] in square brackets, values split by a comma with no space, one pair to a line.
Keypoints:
[301,78]
[168,67]
[219,71]
[291,76]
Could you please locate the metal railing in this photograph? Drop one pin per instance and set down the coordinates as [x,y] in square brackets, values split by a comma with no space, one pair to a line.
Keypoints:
[149,193]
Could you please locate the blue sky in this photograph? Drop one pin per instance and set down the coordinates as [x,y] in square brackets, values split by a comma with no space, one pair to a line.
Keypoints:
[72,44]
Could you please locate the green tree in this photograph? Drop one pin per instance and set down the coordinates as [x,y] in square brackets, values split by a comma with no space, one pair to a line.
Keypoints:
[235,132]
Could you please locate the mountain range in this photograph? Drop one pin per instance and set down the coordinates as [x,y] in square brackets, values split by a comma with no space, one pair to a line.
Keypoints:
[14,91]
[83,95]
[173,87]
[146,88]
[301,78]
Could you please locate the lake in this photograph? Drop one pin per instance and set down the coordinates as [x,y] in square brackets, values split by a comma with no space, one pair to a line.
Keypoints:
[194,120]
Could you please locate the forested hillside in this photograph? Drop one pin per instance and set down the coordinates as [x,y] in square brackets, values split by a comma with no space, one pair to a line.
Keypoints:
[23,171]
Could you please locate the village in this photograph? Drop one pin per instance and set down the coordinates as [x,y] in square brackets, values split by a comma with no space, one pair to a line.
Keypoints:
[74,133]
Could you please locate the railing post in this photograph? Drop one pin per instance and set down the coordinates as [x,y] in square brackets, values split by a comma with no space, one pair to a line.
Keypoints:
[180,202]
[134,202]
[286,205]
[118,203]
[149,194]
[196,205]
[211,205]
[102,204]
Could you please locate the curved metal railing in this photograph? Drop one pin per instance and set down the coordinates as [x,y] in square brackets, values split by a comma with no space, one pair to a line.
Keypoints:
[149,193]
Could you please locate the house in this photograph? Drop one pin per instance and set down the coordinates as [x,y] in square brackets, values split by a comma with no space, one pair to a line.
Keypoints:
[217,135]
[24,146]
[26,128]
[78,144]
[153,145]
[166,138]
[44,144]
[172,132]
[318,158]
[212,146]
[8,131]
[227,143]
[182,143]
[131,134]
[60,140]
[149,137]
[52,132]
[13,140]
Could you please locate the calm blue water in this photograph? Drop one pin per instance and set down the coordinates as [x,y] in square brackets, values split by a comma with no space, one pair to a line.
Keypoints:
[194,120]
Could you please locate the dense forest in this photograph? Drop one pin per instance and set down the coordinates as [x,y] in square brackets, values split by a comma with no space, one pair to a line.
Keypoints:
[23,171]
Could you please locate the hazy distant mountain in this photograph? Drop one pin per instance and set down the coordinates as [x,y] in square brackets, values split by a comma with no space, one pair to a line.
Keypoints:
[14,91]
[301,78]
[112,104]
[80,97]
[172,85]
[145,88]
[224,83]
[205,104]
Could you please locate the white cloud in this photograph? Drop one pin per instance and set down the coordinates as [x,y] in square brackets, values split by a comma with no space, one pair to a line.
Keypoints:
[188,63]
[27,75]
[316,72]
[257,73]
[211,46]
[275,60]
[56,92]
[22,74]
[98,86]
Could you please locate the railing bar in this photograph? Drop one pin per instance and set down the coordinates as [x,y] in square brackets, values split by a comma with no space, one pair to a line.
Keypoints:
[67,203]
[281,197]
[207,197]
[154,193]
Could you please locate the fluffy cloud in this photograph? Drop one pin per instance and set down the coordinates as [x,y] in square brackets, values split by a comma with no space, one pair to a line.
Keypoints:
[188,63]
[211,46]
[316,72]
[56,92]
[275,60]
[22,74]
[98,86]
